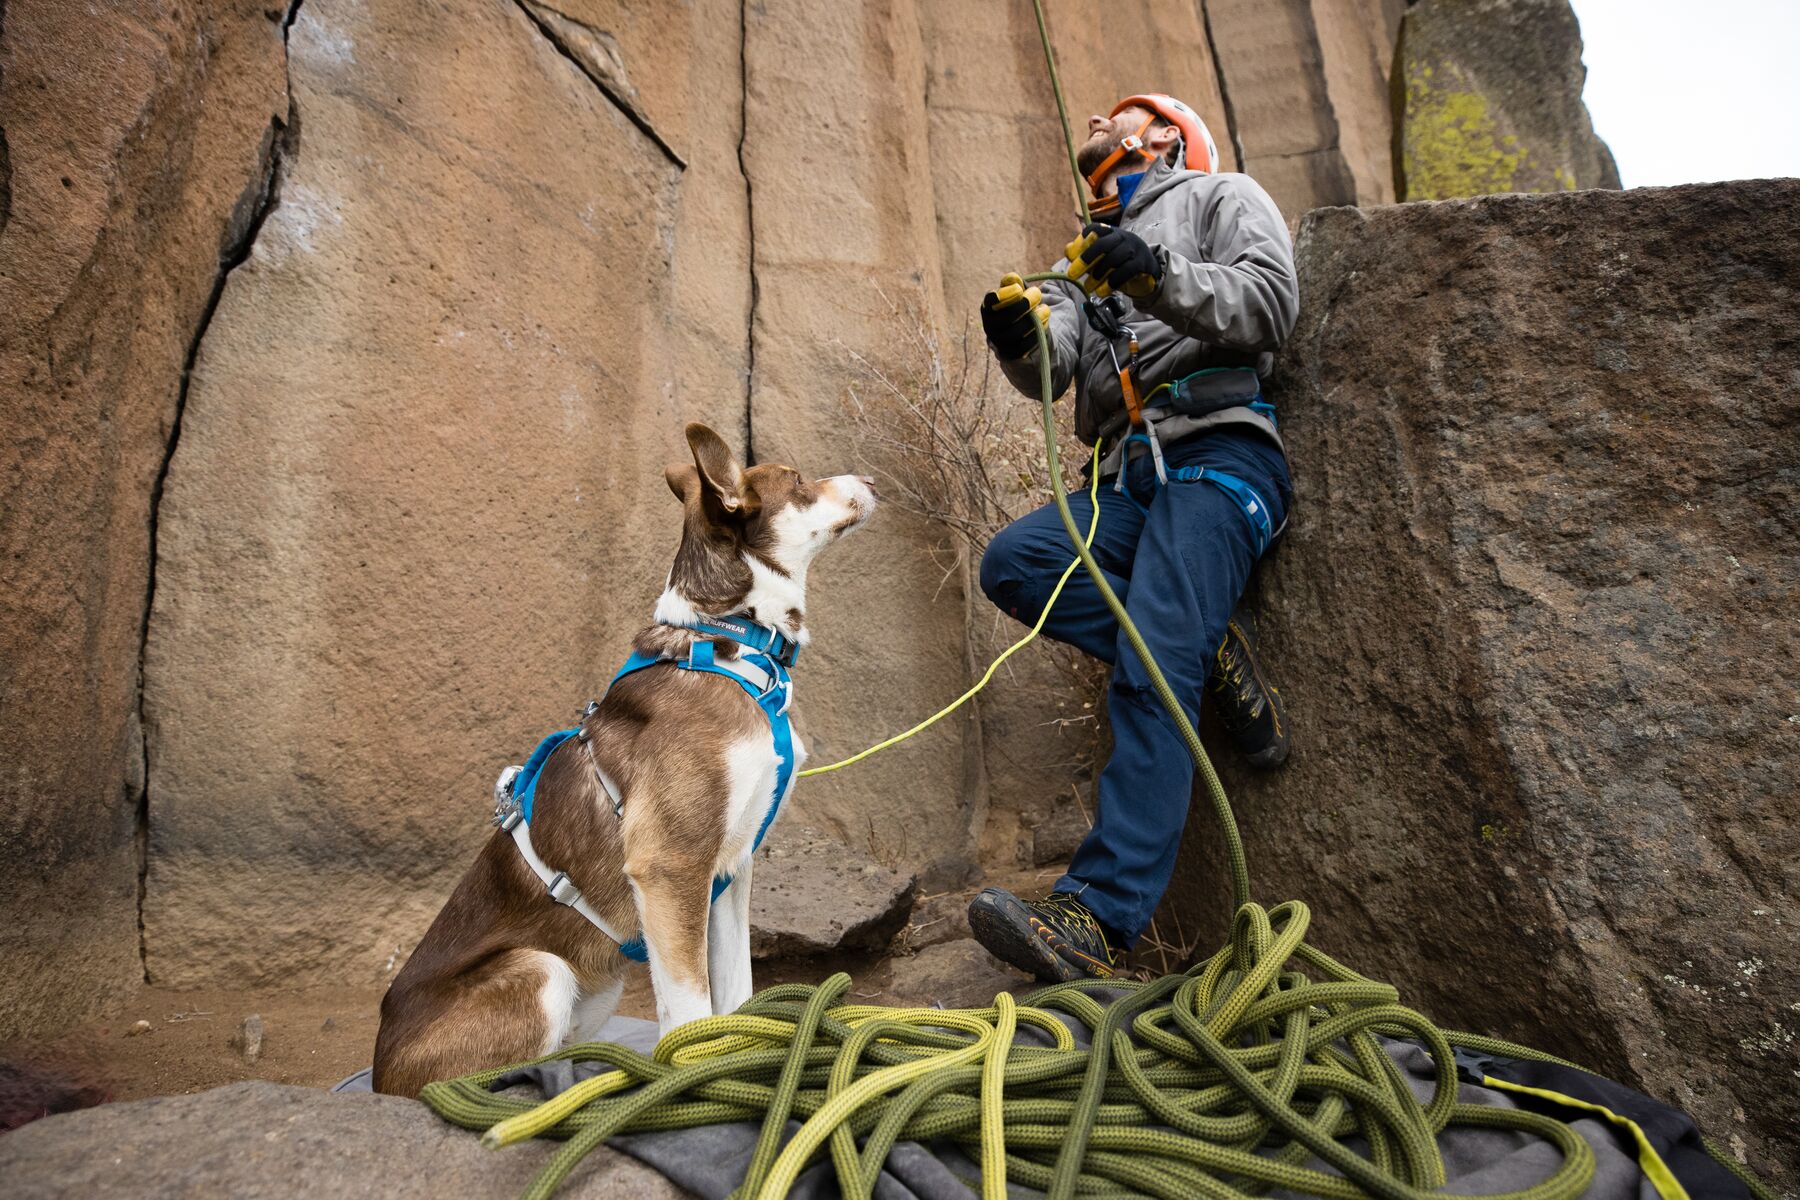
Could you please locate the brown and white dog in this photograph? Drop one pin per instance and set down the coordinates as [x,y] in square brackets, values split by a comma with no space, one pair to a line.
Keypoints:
[504,974]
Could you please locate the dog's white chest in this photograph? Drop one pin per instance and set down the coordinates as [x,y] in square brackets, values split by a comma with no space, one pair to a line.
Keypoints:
[751,769]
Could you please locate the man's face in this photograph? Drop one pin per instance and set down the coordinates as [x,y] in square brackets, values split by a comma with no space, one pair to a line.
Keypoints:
[1106,133]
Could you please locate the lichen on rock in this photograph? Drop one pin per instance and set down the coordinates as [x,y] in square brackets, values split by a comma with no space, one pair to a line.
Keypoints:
[1487,99]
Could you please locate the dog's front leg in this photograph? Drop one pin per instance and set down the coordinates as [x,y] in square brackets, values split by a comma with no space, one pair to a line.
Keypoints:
[728,944]
[672,911]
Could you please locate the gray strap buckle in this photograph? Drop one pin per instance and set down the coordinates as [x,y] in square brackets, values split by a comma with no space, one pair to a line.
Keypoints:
[778,684]
[563,890]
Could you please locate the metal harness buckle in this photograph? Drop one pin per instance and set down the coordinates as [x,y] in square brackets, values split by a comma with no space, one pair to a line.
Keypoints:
[506,805]
[777,684]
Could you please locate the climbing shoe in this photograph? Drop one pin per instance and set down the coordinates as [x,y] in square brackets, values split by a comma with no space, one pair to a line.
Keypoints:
[1055,938]
[1249,706]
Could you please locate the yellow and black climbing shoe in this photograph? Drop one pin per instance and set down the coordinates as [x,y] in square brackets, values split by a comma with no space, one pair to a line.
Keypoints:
[1054,939]
[1249,706]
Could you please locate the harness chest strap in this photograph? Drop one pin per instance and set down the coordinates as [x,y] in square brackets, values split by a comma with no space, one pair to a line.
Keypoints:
[557,883]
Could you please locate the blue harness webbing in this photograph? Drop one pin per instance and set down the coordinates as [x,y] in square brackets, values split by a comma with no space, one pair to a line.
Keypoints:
[1255,510]
[767,651]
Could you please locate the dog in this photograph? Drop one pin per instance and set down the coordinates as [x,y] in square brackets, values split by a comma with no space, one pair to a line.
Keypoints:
[506,974]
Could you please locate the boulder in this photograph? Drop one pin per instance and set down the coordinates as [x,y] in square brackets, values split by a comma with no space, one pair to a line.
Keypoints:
[255,1140]
[811,894]
[1487,98]
[1059,831]
[1535,623]
[940,918]
[134,144]
[959,974]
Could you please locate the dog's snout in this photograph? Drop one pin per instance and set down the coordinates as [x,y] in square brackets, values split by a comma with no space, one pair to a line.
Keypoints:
[868,481]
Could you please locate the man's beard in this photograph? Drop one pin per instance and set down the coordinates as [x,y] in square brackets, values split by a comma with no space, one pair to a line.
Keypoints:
[1093,153]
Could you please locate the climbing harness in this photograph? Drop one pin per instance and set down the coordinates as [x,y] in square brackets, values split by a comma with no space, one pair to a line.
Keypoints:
[1254,508]
[1225,1082]
[760,667]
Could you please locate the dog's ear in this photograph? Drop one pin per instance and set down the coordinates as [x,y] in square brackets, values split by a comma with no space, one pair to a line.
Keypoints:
[682,479]
[719,474]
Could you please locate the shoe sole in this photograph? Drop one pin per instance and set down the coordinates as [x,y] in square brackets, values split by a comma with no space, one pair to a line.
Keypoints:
[1010,932]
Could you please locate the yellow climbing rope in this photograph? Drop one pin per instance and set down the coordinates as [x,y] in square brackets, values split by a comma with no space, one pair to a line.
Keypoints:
[1037,628]
[1220,1083]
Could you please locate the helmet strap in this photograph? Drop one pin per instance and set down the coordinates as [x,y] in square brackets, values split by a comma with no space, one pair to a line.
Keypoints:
[1133,144]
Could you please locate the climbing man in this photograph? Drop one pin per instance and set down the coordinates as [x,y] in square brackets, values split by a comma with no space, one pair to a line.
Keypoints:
[1187,289]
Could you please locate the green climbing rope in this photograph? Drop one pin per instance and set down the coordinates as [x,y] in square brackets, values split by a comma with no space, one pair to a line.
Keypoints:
[1215,791]
[1222,1083]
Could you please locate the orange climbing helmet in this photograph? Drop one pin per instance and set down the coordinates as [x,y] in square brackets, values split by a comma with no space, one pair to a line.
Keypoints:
[1202,152]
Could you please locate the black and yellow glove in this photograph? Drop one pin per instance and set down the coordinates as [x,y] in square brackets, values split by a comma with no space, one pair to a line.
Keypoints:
[1114,259]
[1010,315]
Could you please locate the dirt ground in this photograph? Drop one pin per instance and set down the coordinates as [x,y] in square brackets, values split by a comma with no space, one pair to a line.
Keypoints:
[312,1037]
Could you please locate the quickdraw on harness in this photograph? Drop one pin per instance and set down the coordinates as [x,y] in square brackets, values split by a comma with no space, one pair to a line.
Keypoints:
[760,667]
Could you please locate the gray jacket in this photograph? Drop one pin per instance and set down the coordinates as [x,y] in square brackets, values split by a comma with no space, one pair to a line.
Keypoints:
[1228,298]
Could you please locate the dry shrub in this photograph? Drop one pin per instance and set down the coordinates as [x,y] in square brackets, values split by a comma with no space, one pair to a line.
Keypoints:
[957,444]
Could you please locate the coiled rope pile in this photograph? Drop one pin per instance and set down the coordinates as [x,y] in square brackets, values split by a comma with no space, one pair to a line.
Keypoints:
[1220,1083]
[1224,1082]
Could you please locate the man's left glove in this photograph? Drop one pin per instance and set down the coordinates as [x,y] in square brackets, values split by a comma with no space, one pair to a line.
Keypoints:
[1010,316]
[1115,259]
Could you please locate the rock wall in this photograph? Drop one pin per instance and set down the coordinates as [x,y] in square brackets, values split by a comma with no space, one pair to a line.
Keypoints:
[372,325]
[134,142]
[416,513]
[409,524]
[1487,98]
[1534,620]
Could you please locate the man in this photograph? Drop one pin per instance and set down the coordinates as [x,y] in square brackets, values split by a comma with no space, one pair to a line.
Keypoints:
[1194,487]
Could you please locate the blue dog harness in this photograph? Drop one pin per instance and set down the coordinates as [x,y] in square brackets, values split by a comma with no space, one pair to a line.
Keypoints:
[760,667]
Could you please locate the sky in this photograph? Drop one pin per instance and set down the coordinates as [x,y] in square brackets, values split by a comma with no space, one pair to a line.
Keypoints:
[1691,90]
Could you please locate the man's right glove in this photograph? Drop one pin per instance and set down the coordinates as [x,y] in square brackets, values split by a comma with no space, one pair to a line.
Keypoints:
[1114,260]
[1010,316]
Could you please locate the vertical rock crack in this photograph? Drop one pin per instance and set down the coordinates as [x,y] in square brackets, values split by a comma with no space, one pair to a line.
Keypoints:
[5,157]
[241,231]
[1212,48]
[750,232]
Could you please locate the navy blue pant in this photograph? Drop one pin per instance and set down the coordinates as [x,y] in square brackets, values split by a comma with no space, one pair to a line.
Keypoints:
[1179,555]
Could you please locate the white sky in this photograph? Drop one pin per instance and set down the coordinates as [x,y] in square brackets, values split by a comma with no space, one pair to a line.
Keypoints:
[1691,90]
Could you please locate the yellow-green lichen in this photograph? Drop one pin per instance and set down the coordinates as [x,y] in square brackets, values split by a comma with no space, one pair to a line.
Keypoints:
[1451,144]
